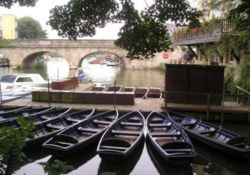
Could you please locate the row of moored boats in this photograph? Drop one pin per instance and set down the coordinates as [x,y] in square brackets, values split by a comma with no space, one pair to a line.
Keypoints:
[140,92]
[65,130]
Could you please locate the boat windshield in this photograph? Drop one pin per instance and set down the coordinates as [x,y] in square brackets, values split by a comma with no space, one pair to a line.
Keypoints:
[8,78]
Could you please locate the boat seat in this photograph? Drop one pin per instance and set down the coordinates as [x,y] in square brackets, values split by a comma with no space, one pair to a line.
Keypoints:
[210,131]
[70,119]
[119,132]
[178,150]
[163,134]
[190,124]
[65,140]
[57,127]
[237,140]
[130,124]
[120,148]
[91,130]
[101,122]
[44,117]
[160,125]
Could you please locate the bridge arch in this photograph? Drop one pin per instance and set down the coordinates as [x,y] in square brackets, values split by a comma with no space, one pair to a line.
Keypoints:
[23,50]
[100,53]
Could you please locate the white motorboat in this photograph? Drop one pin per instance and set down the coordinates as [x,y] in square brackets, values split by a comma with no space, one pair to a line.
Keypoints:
[25,82]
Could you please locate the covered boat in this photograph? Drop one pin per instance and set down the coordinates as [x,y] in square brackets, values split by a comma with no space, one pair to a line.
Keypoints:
[141,92]
[121,139]
[168,139]
[154,93]
[213,135]
[82,134]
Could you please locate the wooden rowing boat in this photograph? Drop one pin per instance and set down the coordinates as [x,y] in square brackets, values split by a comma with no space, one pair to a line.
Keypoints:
[81,135]
[154,93]
[51,127]
[4,109]
[213,135]
[168,139]
[9,116]
[141,92]
[121,139]
[41,117]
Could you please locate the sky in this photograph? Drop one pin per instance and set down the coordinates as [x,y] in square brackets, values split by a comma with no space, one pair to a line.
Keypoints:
[41,13]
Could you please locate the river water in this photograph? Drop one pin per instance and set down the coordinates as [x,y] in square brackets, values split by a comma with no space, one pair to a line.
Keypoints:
[145,161]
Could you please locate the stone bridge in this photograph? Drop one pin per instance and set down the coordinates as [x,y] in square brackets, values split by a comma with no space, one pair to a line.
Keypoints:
[25,51]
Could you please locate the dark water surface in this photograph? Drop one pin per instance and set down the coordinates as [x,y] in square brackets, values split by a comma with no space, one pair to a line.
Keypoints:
[145,161]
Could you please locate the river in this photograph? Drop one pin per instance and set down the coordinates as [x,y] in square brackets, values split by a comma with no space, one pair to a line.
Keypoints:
[98,73]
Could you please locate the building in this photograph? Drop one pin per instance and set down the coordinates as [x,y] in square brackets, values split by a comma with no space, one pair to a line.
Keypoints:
[8,26]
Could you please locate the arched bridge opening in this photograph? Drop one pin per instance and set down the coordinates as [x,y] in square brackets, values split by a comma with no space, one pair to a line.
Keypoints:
[101,57]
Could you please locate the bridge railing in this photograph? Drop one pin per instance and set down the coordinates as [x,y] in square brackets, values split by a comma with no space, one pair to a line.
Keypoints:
[211,31]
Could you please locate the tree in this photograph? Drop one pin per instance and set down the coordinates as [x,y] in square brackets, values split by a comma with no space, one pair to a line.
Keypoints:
[142,34]
[9,3]
[30,28]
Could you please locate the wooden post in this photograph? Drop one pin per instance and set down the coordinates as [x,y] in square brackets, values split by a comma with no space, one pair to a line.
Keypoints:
[114,93]
[208,106]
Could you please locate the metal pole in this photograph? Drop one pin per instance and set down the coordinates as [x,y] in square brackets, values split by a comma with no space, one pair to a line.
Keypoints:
[48,94]
[114,93]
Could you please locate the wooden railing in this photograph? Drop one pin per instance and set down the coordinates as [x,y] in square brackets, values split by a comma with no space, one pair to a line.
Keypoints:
[243,96]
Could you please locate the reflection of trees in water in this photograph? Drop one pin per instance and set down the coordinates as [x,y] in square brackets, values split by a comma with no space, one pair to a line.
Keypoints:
[211,161]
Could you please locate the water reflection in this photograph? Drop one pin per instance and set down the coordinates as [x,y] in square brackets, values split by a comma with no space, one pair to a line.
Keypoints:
[166,167]
[213,161]
[123,167]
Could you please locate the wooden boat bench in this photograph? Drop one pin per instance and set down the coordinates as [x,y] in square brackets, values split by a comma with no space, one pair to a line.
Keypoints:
[101,122]
[73,120]
[65,140]
[177,150]
[239,142]
[120,148]
[190,124]
[163,134]
[44,117]
[130,124]
[210,132]
[90,130]
[131,133]
[160,125]
[57,127]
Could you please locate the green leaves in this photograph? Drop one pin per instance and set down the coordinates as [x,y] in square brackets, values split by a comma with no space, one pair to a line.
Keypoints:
[12,140]
[30,28]
[57,167]
[143,39]
[9,3]
[80,18]
[177,11]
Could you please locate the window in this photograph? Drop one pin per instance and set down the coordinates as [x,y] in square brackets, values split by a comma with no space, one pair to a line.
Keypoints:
[8,79]
[24,79]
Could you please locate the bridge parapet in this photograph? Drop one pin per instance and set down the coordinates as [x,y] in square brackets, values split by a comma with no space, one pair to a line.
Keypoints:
[41,43]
